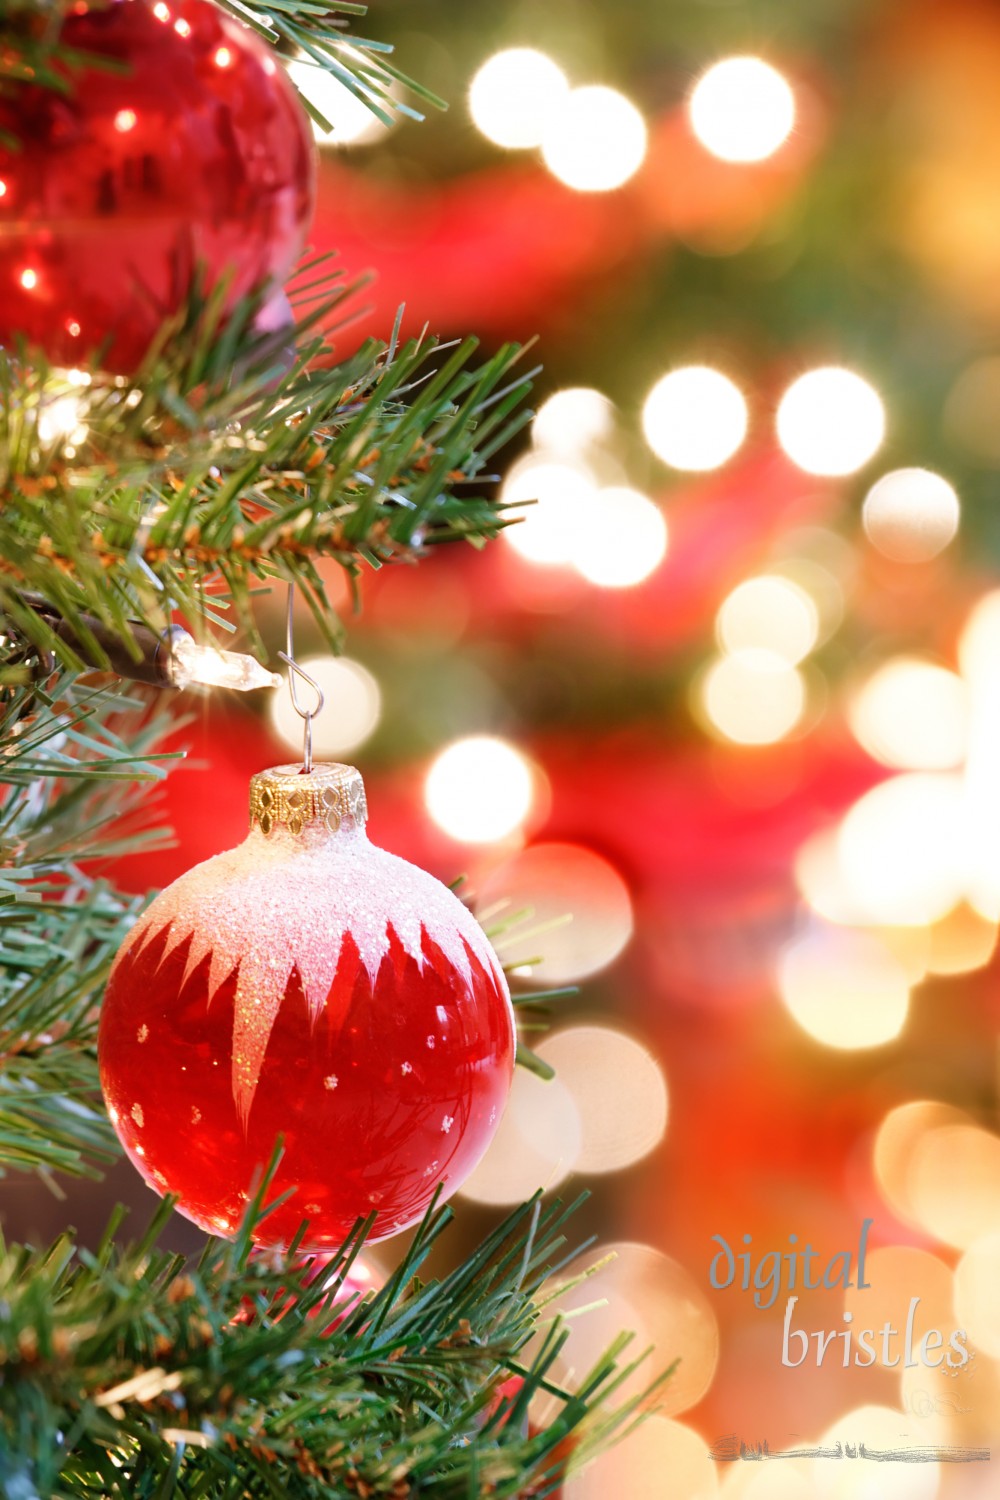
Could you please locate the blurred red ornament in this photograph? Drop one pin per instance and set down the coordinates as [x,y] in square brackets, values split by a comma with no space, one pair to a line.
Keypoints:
[190,151]
[346,1291]
[502,1401]
[311,986]
[275,324]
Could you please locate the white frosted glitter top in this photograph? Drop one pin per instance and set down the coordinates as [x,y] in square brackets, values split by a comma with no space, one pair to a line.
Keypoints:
[284,900]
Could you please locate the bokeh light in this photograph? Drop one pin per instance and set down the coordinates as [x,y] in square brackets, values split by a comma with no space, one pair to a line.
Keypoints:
[830,421]
[970,411]
[979,659]
[695,418]
[911,515]
[573,419]
[546,884]
[351,121]
[904,848]
[979,644]
[977,1294]
[953,1183]
[879,1428]
[623,539]
[751,1481]
[961,942]
[619,1091]
[895,1274]
[824,886]
[536,1145]
[655,1298]
[515,96]
[910,947]
[983,891]
[562,494]
[845,988]
[62,419]
[912,715]
[635,1468]
[752,697]
[742,109]
[596,140]
[896,1142]
[769,613]
[351,711]
[933,1396]
[825,582]
[479,789]
[821,880]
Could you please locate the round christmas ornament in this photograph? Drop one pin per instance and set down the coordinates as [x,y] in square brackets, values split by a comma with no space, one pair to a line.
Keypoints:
[309,985]
[184,152]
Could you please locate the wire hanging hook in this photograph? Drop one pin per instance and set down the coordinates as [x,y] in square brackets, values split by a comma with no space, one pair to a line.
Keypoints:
[295,671]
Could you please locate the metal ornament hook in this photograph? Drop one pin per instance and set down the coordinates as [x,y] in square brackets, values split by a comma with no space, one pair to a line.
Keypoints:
[295,671]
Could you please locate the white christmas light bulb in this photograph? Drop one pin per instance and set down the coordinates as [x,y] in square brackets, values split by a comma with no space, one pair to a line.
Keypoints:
[191,664]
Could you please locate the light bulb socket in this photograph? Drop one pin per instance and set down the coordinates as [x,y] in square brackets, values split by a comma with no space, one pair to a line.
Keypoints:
[150,664]
[155,659]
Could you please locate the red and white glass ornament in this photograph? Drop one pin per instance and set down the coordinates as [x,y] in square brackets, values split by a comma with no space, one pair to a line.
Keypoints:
[182,151]
[312,986]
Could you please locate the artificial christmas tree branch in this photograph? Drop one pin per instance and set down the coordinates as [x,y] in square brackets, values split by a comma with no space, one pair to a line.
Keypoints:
[362,66]
[196,478]
[313,32]
[69,793]
[127,1372]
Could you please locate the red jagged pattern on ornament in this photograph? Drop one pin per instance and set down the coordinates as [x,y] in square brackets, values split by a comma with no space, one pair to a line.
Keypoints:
[396,1087]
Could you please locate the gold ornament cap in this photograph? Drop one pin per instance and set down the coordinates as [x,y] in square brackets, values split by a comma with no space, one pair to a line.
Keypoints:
[329,797]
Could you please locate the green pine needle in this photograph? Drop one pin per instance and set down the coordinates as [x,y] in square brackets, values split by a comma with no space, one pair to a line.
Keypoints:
[129,1372]
[220,466]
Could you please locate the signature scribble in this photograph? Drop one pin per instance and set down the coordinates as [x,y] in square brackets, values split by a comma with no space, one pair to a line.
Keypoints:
[733,1449]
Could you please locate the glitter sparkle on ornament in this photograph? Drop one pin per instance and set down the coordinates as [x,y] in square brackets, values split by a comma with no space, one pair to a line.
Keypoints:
[285,988]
